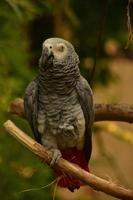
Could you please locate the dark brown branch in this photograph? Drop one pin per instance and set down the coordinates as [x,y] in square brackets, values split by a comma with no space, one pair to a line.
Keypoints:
[93,181]
[114,112]
[17,107]
[103,112]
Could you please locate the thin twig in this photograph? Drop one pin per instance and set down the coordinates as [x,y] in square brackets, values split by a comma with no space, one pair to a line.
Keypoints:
[102,22]
[39,188]
[129,22]
[93,181]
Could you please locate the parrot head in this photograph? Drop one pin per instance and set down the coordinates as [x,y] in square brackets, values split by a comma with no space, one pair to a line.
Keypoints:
[58,52]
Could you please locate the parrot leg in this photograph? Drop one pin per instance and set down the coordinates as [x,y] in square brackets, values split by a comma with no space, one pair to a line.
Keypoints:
[49,142]
[56,155]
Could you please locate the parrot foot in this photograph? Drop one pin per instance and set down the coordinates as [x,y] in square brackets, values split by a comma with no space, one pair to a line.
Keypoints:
[68,130]
[66,127]
[56,155]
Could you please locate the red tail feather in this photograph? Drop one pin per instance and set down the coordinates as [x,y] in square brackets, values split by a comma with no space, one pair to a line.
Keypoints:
[75,156]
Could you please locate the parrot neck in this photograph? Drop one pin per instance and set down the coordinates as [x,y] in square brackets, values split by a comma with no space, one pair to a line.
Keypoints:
[59,81]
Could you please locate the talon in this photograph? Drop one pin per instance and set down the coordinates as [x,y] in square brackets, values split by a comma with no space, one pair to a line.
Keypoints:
[70,128]
[66,127]
[55,157]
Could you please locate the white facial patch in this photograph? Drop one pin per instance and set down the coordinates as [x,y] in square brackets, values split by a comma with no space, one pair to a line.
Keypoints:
[59,50]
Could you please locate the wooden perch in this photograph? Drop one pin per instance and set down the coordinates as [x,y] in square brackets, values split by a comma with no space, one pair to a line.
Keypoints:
[93,181]
[114,112]
[103,112]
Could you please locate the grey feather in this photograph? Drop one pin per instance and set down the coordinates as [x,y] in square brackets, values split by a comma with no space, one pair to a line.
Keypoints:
[86,101]
[30,107]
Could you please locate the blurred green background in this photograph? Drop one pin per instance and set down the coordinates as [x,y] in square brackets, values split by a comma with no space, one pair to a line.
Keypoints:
[96,29]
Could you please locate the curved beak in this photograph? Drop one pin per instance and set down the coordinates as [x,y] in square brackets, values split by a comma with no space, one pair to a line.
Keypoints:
[46,57]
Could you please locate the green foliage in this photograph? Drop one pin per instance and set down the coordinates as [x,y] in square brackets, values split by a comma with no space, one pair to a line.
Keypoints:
[19,169]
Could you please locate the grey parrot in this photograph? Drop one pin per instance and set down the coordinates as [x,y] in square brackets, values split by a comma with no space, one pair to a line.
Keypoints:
[58,105]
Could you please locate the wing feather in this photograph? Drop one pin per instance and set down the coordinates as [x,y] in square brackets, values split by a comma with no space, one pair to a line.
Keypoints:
[86,101]
[30,107]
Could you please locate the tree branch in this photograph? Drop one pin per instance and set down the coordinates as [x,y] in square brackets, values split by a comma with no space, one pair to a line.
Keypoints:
[93,181]
[103,112]
[114,112]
